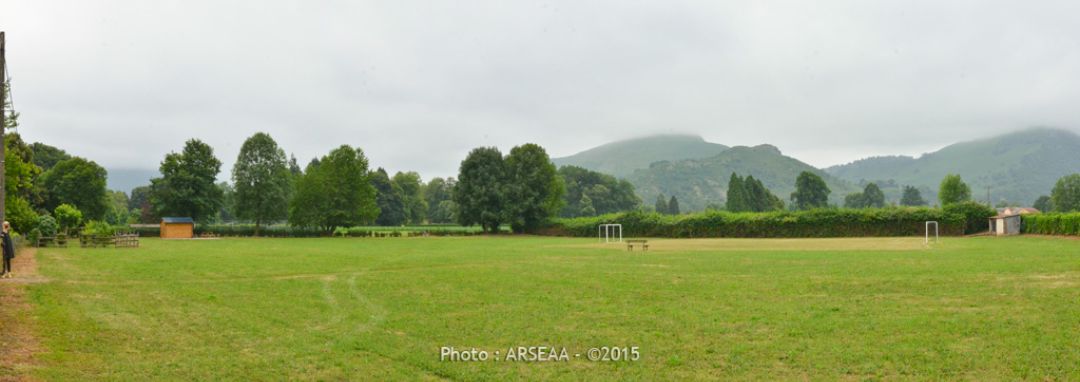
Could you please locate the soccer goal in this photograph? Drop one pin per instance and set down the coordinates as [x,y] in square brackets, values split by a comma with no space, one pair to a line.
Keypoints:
[606,233]
[928,223]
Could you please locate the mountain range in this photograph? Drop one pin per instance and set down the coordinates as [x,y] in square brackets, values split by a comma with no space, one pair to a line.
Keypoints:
[1015,168]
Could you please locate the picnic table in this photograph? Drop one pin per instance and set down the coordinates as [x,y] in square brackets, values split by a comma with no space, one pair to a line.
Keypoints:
[644,244]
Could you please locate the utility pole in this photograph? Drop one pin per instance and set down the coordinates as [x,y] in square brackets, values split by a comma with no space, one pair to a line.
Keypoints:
[3,121]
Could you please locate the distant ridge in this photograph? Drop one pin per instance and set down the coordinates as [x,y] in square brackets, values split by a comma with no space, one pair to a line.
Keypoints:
[1017,167]
[700,182]
[621,158]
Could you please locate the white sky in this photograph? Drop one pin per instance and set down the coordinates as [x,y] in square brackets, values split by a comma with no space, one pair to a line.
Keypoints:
[417,84]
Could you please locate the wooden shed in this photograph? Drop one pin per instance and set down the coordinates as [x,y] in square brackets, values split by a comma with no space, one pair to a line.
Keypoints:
[1007,221]
[177,228]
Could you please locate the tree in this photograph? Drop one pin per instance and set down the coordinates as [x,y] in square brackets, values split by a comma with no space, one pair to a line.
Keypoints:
[912,197]
[606,194]
[117,212]
[661,205]
[261,181]
[1044,204]
[388,198]
[335,191]
[953,190]
[20,173]
[758,198]
[871,197]
[480,190]
[736,195]
[68,217]
[438,194]
[46,156]
[534,192]
[187,185]
[140,202]
[673,206]
[810,192]
[587,208]
[227,212]
[412,195]
[1065,196]
[78,182]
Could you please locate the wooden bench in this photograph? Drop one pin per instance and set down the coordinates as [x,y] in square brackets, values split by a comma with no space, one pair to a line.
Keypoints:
[644,244]
[45,240]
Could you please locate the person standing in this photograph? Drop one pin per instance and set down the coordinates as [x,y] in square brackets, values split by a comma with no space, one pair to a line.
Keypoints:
[9,250]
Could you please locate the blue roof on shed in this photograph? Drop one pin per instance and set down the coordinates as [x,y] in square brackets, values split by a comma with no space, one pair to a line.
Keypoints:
[177,220]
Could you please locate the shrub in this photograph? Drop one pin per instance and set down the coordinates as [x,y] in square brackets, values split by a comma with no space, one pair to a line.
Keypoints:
[975,215]
[68,217]
[1051,224]
[98,228]
[47,226]
[894,221]
[21,216]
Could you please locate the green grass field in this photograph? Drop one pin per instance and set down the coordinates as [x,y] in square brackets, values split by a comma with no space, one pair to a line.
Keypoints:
[377,309]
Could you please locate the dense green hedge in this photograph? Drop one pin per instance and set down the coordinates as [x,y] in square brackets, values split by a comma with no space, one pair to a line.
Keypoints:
[815,223]
[1051,224]
[234,230]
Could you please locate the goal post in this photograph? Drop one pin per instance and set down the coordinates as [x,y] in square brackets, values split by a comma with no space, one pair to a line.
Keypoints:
[928,223]
[606,233]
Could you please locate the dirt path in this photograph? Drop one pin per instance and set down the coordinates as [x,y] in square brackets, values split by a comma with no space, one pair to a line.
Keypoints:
[17,342]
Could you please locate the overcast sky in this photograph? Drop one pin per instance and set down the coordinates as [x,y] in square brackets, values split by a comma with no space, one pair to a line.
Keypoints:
[417,84]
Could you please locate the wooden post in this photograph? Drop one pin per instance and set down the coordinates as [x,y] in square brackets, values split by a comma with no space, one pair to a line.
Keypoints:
[3,102]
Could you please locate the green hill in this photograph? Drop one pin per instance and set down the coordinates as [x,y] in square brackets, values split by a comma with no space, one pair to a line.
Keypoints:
[621,158]
[699,182]
[1018,167]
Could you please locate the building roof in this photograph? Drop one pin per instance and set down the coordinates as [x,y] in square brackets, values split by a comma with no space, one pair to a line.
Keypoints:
[177,220]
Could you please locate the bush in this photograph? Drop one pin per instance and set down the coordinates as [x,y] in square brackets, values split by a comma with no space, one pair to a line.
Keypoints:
[894,221]
[98,228]
[1051,224]
[21,216]
[33,236]
[975,215]
[68,217]
[47,226]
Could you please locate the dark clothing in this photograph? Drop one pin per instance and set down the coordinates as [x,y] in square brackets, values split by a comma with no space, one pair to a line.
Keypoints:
[9,248]
[7,265]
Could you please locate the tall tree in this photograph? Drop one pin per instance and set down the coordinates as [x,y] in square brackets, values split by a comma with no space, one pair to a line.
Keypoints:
[412,194]
[78,182]
[534,192]
[140,201]
[335,191]
[606,194]
[480,190]
[117,212]
[227,212]
[1044,204]
[673,206]
[261,181]
[912,197]
[810,192]
[46,156]
[953,190]
[21,192]
[438,193]
[871,197]
[736,195]
[1066,194]
[661,206]
[388,198]
[187,185]
[759,198]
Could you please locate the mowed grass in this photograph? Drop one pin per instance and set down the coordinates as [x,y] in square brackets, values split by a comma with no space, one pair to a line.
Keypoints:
[380,309]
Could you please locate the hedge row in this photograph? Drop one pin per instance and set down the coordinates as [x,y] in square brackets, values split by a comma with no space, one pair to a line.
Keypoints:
[245,230]
[783,224]
[1051,224]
